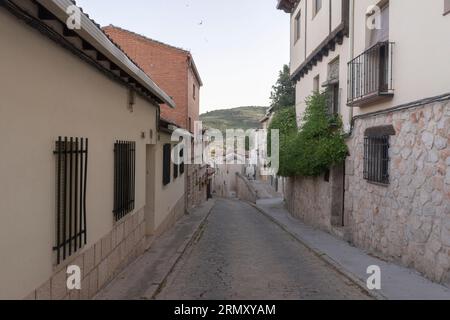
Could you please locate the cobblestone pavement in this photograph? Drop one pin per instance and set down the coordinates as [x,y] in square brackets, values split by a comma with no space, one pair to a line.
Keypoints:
[243,255]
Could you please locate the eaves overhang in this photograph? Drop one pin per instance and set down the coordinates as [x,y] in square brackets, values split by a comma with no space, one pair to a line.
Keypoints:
[287,5]
[91,33]
[328,45]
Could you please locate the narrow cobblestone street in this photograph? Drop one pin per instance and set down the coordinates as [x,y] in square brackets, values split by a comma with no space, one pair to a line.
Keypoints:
[241,254]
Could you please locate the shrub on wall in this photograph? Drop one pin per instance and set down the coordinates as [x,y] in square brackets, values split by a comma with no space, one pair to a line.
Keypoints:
[317,146]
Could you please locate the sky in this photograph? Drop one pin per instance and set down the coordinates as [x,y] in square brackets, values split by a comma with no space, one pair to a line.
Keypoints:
[239,46]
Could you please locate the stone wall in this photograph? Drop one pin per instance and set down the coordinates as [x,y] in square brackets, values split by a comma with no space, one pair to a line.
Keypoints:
[407,221]
[196,185]
[100,263]
[309,199]
[244,190]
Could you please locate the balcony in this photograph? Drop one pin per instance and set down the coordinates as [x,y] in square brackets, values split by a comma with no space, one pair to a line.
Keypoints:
[370,75]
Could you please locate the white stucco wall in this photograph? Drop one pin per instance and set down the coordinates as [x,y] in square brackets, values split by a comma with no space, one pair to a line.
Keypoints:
[421,65]
[314,29]
[304,87]
[166,196]
[47,92]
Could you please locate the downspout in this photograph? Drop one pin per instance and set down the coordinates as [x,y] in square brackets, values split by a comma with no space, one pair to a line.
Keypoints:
[352,52]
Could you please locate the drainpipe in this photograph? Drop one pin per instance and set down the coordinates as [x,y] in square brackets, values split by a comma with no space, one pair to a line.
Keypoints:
[352,51]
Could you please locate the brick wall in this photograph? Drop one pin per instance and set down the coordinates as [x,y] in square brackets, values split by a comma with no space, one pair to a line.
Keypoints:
[172,70]
[168,67]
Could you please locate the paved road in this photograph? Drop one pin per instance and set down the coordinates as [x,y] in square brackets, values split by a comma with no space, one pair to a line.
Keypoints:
[243,255]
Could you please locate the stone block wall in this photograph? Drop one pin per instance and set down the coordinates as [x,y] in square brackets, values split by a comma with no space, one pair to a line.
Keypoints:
[407,221]
[99,263]
[244,190]
[309,199]
[196,185]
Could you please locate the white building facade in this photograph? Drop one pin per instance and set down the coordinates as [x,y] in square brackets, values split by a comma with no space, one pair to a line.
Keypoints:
[386,66]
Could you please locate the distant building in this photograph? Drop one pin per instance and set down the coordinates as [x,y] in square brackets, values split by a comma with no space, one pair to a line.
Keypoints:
[224,180]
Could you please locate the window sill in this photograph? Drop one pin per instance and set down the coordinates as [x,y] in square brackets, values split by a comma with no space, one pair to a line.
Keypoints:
[380,184]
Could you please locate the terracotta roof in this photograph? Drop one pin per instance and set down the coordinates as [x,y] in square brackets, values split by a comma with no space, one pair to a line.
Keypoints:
[104,43]
[145,38]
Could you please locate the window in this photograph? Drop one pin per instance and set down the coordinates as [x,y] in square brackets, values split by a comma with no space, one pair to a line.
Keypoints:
[167,149]
[371,74]
[71,171]
[175,171]
[194,91]
[297,26]
[446,7]
[316,83]
[190,124]
[381,33]
[333,87]
[124,178]
[317,6]
[376,154]
[333,98]
[182,163]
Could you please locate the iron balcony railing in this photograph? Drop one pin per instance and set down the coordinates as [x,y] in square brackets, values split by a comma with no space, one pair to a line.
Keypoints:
[370,74]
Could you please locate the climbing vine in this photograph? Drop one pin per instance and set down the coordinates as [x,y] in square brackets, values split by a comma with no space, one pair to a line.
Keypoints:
[317,146]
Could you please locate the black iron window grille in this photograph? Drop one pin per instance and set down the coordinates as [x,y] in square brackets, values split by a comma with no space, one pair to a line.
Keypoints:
[370,74]
[167,149]
[124,178]
[175,170]
[376,159]
[182,163]
[71,177]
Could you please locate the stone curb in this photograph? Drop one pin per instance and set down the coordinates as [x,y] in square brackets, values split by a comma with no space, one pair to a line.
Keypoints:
[156,289]
[335,265]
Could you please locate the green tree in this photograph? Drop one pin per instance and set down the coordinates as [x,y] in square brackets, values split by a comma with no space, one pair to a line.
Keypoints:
[285,121]
[283,92]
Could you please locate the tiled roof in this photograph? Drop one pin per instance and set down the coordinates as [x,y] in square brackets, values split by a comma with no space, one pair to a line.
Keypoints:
[188,53]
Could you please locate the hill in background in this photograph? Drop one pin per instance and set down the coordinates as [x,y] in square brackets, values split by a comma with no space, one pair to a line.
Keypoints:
[236,118]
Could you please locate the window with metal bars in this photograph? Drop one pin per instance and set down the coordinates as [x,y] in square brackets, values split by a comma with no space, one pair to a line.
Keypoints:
[167,149]
[71,180]
[182,163]
[376,159]
[124,178]
[175,170]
